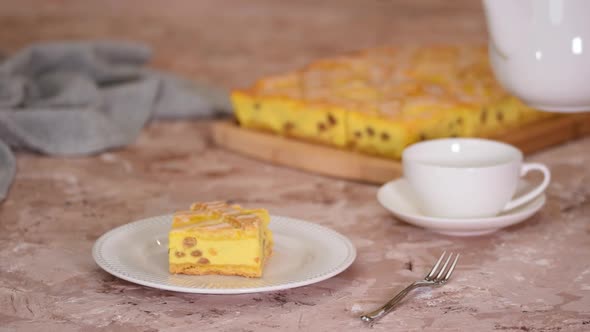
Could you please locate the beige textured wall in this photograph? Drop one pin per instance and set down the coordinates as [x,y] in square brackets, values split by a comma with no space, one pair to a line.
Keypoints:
[232,42]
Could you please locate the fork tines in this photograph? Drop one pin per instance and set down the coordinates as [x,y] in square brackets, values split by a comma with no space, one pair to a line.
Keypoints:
[443,274]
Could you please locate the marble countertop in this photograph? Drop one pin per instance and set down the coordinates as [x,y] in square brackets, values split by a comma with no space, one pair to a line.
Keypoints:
[534,276]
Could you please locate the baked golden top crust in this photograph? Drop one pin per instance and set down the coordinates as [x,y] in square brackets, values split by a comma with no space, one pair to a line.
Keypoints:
[391,81]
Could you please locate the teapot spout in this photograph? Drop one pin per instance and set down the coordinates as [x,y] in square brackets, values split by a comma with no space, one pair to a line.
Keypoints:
[506,21]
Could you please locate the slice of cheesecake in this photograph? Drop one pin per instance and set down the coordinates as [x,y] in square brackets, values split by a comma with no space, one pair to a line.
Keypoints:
[218,238]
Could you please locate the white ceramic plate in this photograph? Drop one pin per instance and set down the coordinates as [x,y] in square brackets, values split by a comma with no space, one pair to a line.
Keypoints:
[304,253]
[397,197]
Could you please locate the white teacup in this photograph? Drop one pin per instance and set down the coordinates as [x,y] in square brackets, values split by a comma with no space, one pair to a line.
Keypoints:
[468,177]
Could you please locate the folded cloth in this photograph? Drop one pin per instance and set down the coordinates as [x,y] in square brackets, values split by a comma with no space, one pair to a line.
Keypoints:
[79,98]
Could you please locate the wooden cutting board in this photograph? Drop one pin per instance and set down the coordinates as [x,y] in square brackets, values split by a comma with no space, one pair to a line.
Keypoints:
[351,165]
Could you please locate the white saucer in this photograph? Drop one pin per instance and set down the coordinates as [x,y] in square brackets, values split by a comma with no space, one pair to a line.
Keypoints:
[397,197]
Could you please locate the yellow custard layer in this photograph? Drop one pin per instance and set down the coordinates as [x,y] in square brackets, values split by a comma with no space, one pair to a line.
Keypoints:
[218,238]
[380,100]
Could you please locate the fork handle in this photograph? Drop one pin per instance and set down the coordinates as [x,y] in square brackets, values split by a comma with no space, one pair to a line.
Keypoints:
[387,307]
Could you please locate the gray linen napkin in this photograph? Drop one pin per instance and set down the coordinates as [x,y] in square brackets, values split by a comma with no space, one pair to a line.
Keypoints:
[78,98]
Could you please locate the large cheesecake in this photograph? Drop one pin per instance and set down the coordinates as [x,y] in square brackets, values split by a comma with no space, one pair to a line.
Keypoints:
[380,100]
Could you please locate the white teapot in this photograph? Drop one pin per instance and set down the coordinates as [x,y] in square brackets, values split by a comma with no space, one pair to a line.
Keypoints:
[540,51]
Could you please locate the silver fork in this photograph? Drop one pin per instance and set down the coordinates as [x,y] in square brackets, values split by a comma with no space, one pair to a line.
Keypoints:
[436,277]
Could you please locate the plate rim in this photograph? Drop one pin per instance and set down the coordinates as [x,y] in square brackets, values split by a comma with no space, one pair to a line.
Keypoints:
[468,224]
[102,262]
